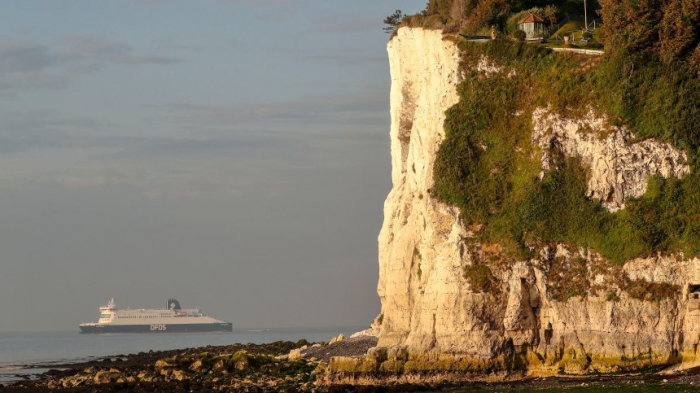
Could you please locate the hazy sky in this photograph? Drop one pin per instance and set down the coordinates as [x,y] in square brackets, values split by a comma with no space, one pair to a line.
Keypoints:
[231,153]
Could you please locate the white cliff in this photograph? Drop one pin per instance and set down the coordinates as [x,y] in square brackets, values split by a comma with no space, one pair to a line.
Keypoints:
[619,167]
[423,293]
[432,320]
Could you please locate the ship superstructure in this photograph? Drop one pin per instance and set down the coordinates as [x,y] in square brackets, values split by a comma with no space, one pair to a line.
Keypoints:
[171,319]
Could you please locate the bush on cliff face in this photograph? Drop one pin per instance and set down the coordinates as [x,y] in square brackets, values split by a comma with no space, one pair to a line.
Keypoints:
[480,277]
[487,166]
[649,291]
[567,279]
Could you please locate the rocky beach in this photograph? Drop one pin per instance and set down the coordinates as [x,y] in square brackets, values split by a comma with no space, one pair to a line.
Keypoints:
[277,366]
[298,366]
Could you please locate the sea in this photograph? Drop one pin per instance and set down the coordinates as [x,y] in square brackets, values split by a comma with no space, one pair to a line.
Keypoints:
[25,354]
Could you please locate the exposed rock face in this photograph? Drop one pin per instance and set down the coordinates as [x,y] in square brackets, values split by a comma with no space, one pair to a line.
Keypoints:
[535,321]
[420,282]
[619,169]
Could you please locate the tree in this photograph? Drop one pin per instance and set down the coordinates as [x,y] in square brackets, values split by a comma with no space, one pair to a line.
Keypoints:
[630,24]
[679,35]
[487,13]
[550,13]
[667,29]
[393,21]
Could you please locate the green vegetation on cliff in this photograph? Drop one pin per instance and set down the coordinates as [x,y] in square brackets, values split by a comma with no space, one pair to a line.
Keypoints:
[668,30]
[488,167]
[477,16]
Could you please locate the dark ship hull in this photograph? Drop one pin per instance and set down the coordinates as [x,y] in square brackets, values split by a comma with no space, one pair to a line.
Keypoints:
[158,328]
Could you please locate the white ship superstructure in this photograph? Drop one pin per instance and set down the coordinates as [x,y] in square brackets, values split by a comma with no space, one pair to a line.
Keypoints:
[170,319]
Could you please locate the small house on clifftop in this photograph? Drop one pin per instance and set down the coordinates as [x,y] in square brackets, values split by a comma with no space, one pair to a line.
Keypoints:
[532,25]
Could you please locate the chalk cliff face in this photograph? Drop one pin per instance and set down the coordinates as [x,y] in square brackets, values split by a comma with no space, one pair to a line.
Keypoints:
[619,167]
[433,320]
[419,245]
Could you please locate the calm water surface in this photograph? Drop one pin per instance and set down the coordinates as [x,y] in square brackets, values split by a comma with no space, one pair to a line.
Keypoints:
[20,350]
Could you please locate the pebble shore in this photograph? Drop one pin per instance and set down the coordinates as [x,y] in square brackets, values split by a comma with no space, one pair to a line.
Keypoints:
[278,366]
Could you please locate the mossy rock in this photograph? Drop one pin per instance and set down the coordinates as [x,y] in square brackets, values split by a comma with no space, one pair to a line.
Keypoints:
[353,365]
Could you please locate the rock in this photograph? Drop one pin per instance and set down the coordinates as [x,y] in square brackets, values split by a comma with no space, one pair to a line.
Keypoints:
[219,365]
[240,360]
[294,354]
[102,377]
[340,337]
[179,375]
[369,332]
[399,353]
[160,364]
[619,168]
[196,366]
[76,380]
[378,354]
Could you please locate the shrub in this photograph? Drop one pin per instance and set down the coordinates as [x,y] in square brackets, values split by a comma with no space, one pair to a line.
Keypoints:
[667,29]
[568,278]
[519,35]
[612,296]
[486,164]
[650,291]
[479,277]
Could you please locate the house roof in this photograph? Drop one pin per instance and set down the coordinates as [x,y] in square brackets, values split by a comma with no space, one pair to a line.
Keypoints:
[532,18]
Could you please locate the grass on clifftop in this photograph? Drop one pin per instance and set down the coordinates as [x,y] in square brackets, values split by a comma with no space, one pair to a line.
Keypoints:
[488,167]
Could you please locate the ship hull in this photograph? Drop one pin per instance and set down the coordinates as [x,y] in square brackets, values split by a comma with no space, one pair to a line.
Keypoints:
[158,328]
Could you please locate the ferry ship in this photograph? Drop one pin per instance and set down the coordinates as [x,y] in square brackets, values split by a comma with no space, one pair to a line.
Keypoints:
[172,319]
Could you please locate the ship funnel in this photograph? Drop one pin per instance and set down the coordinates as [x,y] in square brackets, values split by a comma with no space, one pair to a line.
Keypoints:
[173,304]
